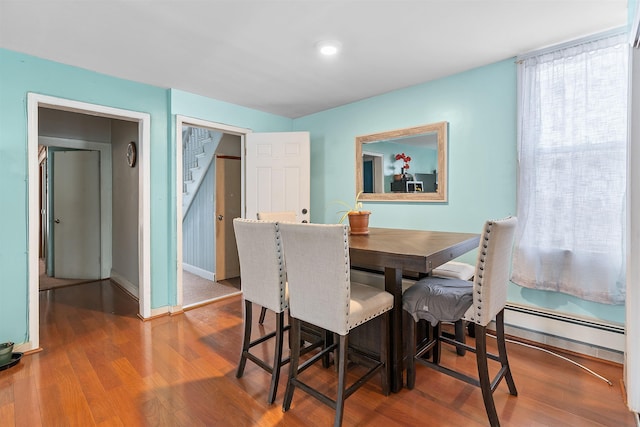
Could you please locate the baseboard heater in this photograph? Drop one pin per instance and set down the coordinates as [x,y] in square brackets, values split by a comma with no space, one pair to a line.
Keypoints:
[582,335]
[587,336]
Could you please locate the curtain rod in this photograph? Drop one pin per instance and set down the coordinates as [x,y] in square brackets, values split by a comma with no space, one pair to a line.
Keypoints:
[571,43]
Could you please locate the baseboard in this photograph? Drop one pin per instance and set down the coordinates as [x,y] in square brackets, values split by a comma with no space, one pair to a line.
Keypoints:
[124,283]
[199,271]
[585,336]
[25,347]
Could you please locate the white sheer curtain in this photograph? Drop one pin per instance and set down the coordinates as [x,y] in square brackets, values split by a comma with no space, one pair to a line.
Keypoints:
[572,160]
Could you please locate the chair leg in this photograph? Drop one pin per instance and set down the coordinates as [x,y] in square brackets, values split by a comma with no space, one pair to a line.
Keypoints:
[246,341]
[411,353]
[437,347]
[277,358]
[385,373]
[502,352]
[483,375]
[263,312]
[327,337]
[294,332]
[471,329]
[342,374]
[460,336]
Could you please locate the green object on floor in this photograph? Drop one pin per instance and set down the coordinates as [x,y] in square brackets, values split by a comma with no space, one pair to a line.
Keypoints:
[6,350]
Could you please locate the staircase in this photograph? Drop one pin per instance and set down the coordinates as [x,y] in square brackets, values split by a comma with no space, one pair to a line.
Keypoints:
[198,149]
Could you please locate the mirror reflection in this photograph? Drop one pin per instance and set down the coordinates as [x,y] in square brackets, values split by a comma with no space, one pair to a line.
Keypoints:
[403,165]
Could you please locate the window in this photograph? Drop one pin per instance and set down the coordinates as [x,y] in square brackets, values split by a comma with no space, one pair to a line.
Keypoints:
[572,161]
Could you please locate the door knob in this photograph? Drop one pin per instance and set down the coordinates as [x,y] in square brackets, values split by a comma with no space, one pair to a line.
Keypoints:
[57,221]
[220,217]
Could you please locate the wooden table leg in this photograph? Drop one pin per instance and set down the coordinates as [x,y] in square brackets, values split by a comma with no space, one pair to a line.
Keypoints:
[393,285]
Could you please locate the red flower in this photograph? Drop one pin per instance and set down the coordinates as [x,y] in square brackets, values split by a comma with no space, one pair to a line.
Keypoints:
[405,158]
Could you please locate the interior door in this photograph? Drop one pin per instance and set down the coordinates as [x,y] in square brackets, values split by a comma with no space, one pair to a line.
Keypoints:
[228,206]
[76,214]
[278,173]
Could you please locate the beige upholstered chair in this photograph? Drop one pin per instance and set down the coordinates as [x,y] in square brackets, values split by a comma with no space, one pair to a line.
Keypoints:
[284,216]
[322,294]
[447,300]
[263,281]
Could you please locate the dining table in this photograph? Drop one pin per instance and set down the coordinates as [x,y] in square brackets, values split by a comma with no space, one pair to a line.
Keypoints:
[396,251]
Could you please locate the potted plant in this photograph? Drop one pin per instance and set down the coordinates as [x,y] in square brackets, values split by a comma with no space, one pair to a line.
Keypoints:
[406,159]
[358,218]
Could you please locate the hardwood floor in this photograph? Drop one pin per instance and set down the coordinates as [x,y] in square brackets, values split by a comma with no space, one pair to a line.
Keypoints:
[102,366]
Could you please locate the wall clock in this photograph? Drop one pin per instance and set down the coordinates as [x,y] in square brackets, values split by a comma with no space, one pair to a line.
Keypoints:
[131,154]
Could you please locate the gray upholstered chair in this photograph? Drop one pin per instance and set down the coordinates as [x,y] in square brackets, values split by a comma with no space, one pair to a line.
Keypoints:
[284,216]
[438,300]
[462,271]
[263,281]
[322,294]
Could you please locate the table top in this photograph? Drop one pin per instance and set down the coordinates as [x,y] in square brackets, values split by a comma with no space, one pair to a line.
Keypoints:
[412,250]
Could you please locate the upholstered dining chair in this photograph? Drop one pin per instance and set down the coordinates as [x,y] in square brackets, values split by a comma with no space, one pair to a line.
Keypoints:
[462,271]
[283,216]
[322,294]
[263,281]
[439,300]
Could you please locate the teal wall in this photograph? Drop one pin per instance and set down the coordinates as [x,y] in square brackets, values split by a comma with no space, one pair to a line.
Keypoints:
[20,74]
[480,106]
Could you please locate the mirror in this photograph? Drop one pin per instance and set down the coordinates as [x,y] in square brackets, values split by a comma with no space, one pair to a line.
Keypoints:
[403,165]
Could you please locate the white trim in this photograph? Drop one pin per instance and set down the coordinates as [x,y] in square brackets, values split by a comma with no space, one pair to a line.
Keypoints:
[632,309]
[124,283]
[200,272]
[378,176]
[190,121]
[590,337]
[161,311]
[33,341]
[105,192]
[144,126]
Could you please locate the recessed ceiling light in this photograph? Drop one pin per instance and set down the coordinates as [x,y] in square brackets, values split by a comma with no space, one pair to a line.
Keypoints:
[329,47]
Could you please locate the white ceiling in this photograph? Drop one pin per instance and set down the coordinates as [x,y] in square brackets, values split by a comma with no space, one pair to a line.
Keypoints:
[260,53]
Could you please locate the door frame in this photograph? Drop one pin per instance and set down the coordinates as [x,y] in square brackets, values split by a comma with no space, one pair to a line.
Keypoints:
[104,150]
[182,121]
[35,100]
[378,173]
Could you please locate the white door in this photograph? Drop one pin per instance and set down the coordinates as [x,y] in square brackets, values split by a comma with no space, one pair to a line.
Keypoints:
[278,173]
[76,214]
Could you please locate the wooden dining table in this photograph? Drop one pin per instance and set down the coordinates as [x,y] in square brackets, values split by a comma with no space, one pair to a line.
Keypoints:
[394,251]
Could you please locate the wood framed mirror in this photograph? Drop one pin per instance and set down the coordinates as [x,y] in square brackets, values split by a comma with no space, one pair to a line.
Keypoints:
[381,164]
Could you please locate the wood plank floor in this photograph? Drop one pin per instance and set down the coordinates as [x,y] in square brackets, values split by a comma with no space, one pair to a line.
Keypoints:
[102,366]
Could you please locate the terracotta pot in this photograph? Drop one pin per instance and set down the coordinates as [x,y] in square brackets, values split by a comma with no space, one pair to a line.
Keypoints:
[398,177]
[359,222]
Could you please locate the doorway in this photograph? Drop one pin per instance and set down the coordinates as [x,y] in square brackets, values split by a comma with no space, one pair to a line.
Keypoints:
[142,121]
[209,196]
[75,206]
